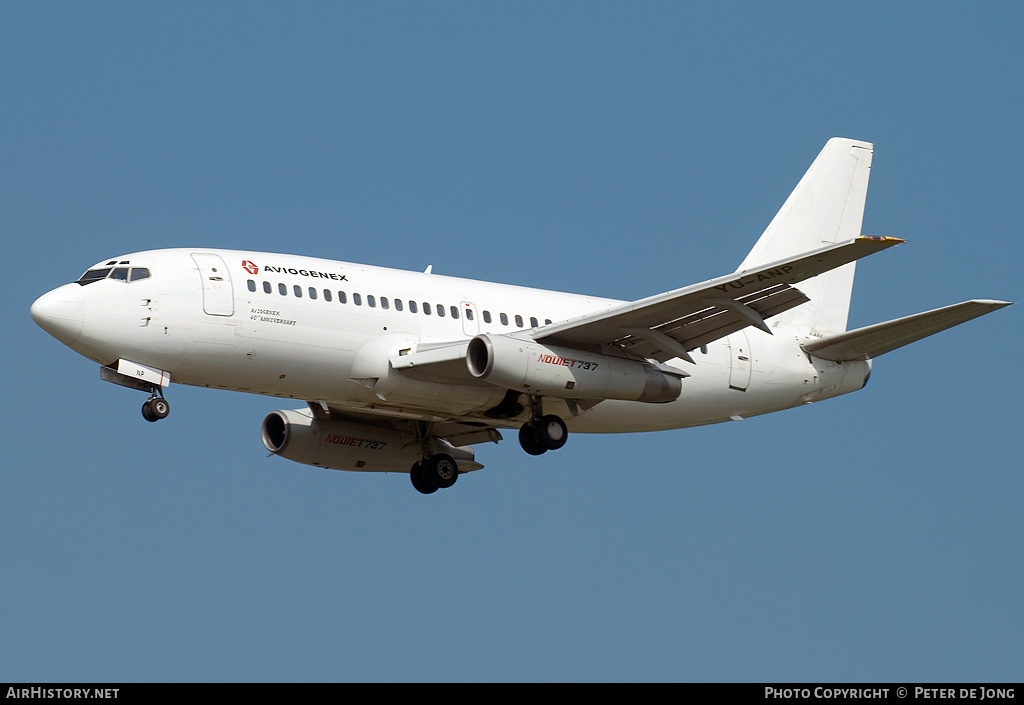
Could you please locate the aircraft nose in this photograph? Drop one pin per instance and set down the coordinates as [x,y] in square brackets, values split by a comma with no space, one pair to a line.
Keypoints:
[61,312]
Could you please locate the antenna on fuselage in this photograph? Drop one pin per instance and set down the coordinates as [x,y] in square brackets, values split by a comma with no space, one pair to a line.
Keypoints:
[427,270]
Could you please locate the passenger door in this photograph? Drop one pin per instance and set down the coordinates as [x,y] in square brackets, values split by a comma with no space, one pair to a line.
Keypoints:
[218,297]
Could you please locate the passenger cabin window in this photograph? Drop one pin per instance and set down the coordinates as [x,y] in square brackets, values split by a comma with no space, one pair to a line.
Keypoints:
[267,288]
[519,320]
[327,294]
[454,310]
[440,310]
[357,299]
[503,318]
[282,290]
[412,306]
[251,284]
[298,291]
[426,308]
[312,293]
[398,304]
[371,301]
[384,302]
[487,316]
[533,321]
[469,313]
[342,298]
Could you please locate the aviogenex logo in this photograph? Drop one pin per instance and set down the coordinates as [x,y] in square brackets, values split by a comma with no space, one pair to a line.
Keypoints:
[253,268]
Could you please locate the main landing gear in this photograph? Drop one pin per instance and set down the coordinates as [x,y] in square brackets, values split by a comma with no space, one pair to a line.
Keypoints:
[433,473]
[543,434]
[156,408]
[436,471]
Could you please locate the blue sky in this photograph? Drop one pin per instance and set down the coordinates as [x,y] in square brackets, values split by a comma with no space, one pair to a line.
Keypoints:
[616,149]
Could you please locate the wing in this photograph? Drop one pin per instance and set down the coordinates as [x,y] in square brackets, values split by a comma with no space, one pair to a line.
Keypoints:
[669,325]
[871,341]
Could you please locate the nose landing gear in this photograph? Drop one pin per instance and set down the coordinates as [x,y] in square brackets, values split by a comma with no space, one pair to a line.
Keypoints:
[144,379]
[155,408]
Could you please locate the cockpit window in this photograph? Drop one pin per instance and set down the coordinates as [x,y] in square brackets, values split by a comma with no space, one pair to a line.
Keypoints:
[93,275]
[120,273]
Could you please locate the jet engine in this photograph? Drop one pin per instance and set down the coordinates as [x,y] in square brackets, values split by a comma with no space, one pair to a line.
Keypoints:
[556,371]
[345,445]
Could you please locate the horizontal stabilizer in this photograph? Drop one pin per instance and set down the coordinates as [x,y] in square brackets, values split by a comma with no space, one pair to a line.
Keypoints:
[872,341]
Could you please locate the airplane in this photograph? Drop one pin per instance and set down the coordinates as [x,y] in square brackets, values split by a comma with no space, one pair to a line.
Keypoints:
[407,371]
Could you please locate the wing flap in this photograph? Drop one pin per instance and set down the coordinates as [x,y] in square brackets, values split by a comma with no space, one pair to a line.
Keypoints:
[698,314]
[880,338]
[718,319]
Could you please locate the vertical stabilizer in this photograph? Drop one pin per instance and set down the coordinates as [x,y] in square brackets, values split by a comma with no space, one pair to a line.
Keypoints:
[826,207]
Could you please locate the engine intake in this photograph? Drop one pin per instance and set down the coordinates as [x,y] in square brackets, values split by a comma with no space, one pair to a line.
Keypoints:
[557,371]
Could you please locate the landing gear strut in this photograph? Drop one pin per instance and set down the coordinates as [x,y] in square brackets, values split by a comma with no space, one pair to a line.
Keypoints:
[437,471]
[155,408]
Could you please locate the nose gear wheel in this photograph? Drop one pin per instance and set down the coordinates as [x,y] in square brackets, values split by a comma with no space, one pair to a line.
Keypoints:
[155,408]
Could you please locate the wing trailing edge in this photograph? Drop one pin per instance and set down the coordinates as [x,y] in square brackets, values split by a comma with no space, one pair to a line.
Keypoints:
[871,341]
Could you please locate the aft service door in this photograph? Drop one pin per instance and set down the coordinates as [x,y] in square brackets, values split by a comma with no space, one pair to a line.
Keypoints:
[218,298]
[739,361]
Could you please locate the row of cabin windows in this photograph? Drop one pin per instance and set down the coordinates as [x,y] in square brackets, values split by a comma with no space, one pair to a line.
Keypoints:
[386,303]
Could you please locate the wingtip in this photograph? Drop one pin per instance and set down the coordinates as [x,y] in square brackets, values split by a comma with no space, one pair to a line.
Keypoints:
[883,239]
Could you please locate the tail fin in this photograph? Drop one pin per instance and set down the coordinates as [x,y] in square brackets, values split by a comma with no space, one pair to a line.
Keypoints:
[827,206]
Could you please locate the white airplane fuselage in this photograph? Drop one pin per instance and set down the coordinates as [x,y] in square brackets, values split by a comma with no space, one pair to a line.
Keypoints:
[406,371]
[305,328]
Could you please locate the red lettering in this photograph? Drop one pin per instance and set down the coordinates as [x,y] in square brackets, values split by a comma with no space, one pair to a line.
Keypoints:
[563,361]
[342,440]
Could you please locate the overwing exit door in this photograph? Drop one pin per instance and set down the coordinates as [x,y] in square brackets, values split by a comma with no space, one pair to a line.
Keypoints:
[470,325]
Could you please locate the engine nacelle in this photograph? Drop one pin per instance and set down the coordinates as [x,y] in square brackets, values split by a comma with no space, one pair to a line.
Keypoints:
[345,445]
[555,371]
